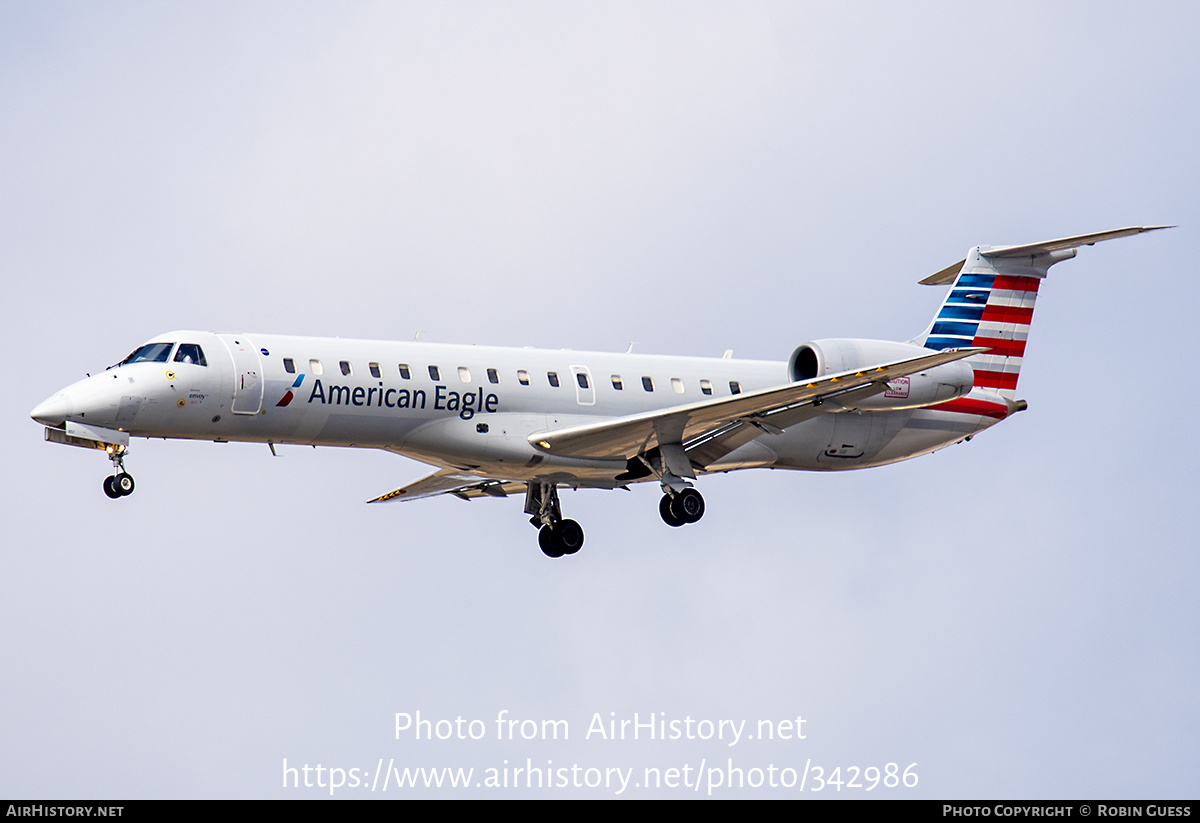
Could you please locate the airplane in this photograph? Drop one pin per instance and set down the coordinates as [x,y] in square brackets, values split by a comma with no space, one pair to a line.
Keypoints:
[502,421]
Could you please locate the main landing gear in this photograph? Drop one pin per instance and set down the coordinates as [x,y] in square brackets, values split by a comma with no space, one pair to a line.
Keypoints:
[565,537]
[682,507]
[556,536]
[559,537]
[121,483]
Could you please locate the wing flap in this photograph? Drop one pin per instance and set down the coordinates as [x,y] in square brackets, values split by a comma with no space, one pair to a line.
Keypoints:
[751,413]
[710,447]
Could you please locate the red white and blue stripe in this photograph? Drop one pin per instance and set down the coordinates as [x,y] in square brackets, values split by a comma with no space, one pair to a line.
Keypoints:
[992,310]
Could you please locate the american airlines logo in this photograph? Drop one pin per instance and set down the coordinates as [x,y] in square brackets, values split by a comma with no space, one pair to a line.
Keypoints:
[287,397]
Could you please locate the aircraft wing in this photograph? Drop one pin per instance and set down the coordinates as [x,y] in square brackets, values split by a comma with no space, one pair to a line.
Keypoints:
[450,481]
[714,425]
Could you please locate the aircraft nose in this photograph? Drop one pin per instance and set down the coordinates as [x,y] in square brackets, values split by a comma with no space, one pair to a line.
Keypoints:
[53,411]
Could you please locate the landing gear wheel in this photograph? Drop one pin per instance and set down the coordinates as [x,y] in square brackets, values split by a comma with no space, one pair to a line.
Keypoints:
[123,484]
[688,506]
[665,511]
[570,536]
[548,540]
[556,536]
[109,489]
[564,537]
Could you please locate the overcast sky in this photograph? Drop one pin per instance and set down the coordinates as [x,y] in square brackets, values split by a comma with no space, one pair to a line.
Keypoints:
[1017,616]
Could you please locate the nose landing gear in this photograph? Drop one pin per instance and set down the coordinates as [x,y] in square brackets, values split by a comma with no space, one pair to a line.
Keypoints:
[121,483]
[118,485]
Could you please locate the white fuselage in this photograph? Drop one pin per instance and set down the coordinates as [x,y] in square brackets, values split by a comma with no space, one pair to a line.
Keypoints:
[472,408]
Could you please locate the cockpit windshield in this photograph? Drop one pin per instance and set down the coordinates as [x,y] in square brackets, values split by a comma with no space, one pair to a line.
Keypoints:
[190,353]
[149,353]
[161,352]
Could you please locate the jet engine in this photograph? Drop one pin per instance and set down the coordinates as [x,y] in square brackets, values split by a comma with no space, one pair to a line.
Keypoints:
[925,388]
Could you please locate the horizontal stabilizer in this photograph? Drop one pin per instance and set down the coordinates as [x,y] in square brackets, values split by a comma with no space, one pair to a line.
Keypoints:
[1067,242]
[946,276]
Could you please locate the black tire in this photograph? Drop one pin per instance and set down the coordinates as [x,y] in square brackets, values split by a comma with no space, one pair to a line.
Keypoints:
[668,516]
[570,536]
[688,506]
[123,483]
[548,540]
[109,489]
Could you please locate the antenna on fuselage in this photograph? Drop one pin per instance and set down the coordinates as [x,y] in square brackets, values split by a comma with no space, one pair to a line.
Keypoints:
[630,349]
[417,336]
[728,354]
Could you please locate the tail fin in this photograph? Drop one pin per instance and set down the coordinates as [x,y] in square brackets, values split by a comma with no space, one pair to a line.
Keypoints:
[991,303]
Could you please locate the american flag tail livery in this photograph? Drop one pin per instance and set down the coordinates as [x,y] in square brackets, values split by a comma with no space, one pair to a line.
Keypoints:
[991,305]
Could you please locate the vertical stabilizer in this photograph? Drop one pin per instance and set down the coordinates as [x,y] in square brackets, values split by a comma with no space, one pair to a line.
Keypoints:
[991,303]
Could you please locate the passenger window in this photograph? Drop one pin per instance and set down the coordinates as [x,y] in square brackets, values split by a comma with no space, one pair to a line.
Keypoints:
[617,384]
[314,367]
[435,373]
[677,385]
[289,365]
[552,376]
[735,387]
[190,353]
[374,369]
[464,374]
[523,377]
[647,384]
[581,379]
[493,376]
[705,387]
[404,372]
[346,367]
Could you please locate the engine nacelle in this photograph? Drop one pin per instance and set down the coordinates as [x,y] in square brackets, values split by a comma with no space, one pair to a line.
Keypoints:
[925,388]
